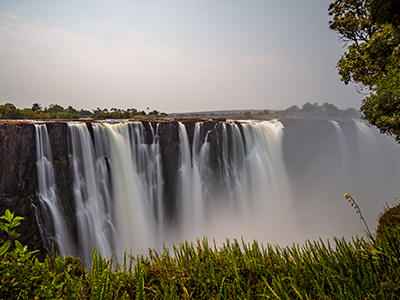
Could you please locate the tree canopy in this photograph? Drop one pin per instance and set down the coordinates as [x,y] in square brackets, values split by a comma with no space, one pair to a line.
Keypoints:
[370,30]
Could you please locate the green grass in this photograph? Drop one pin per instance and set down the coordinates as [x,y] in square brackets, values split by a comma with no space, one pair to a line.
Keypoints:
[363,268]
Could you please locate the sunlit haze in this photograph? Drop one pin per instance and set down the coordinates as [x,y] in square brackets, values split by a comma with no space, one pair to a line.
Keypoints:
[172,56]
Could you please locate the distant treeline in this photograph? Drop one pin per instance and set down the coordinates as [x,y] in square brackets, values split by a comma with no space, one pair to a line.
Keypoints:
[326,110]
[308,110]
[55,111]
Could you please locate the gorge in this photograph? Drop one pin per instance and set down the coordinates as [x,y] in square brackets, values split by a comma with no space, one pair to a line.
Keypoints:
[136,184]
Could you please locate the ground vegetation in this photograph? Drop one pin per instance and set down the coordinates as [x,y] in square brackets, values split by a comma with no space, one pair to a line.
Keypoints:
[363,268]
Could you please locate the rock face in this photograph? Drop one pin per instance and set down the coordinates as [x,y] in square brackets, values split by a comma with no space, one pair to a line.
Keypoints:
[169,143]
[19,180]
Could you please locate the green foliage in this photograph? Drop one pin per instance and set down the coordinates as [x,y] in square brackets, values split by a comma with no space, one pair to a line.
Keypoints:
[382,108]
[371,32]
[385,11]
[389,217]
[154,113]
[351,20]
[360,269]
[9,111]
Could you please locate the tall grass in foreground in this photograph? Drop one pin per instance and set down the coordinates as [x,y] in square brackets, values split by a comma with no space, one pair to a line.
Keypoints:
[363,268]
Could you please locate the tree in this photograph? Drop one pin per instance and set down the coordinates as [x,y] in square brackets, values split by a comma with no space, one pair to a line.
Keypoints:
[153,113]
[132,111]
[294,110]
[264,112]
[330,110]
[382,108]
[9,111]
[36,107]
[247,114]
[84,113]
[350,113]
[371,31]
[310,110]
[385,11]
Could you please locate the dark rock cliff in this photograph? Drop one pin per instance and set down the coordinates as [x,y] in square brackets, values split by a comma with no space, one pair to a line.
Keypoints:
[169,143]
[18,178]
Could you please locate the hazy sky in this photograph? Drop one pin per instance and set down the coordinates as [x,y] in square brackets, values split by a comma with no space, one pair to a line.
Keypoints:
[170,55]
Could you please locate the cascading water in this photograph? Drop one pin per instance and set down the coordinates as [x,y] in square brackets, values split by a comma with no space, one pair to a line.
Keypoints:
[118,187]
[194,177]
[50,207]
[233,171]
[91,192]
[323,165]
[377,168]
[147,164]
[345,163]
[253,187]
[137,186]
[234,179]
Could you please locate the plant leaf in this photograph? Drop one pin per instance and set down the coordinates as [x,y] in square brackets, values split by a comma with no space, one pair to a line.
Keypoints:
[5,247]
[19,247]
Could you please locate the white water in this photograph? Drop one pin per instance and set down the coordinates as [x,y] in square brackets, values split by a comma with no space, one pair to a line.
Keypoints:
[254,192]
[51,208]
[345,160]
[194,181]
[93,218]
[119,186]
[136,184]
[147,164]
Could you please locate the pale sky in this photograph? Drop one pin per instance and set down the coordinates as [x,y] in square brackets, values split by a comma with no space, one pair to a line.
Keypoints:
[170,55]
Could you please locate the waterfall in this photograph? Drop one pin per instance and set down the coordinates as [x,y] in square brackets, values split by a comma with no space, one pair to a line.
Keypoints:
[147,164]
[374,163]
[345,162]
[233,179]
[51,210]
[118,187]
[91,193]
[253,187]
[137,186]
[233,171]
[194,180]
